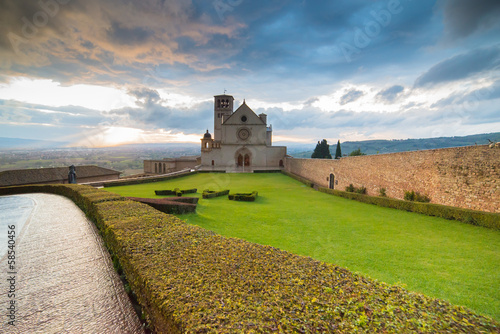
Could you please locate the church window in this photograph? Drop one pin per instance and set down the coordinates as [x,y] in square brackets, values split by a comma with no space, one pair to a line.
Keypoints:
[218,103]
[243,119]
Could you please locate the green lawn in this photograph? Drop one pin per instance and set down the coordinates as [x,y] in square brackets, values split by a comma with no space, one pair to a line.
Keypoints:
[440,258]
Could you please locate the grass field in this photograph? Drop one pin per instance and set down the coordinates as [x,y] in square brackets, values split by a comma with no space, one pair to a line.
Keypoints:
[437,257]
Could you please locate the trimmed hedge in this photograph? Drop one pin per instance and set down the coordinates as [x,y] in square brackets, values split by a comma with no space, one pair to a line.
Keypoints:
[212,194]
[244,197]
[166,192]
[191,280]
[192,200]
[168,205]
[480,218]
[177,192]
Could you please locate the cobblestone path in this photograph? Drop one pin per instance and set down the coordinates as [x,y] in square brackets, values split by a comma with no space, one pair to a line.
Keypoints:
[64,279]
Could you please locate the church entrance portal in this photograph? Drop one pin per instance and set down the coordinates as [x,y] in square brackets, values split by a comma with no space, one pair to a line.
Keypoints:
[243,160]
[332,181]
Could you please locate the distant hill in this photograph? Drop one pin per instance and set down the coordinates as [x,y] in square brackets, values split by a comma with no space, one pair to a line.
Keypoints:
[402,145]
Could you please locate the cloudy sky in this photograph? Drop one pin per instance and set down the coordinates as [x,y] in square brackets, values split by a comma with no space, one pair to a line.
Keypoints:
[97,73]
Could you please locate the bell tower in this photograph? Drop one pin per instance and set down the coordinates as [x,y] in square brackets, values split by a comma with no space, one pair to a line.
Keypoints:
[223,108]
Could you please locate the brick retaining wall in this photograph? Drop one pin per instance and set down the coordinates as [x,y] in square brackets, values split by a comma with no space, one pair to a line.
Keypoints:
[467,177]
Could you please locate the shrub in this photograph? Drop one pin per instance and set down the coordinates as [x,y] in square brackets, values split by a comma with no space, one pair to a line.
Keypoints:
[416,196]
[381,192]
[212,194]
[361,190]
[244,197]
[177,192]
[165,192]
[409,195]
[352,189]
[356,153]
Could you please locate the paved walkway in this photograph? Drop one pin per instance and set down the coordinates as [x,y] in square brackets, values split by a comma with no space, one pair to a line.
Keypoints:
[63,280]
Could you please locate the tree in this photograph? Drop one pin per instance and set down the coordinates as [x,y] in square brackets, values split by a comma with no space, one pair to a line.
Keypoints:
[322,151]
[338,152]
[356,153]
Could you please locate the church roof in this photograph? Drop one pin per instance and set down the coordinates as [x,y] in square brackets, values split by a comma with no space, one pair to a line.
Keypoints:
[244,109]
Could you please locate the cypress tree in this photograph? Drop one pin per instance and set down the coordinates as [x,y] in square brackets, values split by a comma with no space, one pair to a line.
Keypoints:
[322,150]
[338,153]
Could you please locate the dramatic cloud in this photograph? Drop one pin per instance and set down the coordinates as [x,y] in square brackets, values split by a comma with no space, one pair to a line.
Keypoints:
[96,41]
[462,66]
[317,68]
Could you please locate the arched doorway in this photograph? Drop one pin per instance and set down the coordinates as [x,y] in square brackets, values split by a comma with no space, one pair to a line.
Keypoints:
[243,157]
[332,181]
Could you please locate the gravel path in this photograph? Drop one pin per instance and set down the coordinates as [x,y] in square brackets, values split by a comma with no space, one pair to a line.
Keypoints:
[63,278]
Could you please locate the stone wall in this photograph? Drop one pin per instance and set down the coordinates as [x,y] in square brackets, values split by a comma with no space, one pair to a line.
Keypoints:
[170,165]
[467,177]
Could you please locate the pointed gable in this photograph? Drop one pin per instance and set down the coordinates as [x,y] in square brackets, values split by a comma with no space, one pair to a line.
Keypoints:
[244,116]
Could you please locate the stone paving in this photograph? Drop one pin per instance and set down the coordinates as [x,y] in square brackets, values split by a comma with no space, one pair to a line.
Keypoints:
[63,278]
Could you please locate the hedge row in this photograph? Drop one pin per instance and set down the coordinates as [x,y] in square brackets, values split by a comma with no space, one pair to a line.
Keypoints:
[170,205]
[191,280]
[212,194]
[480,218]
[244,197]
[299,178]
[177,192]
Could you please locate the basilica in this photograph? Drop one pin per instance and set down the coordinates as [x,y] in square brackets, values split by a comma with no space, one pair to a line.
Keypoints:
[241,140]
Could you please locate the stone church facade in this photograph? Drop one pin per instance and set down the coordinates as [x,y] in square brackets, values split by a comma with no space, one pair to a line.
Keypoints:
[241,141]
